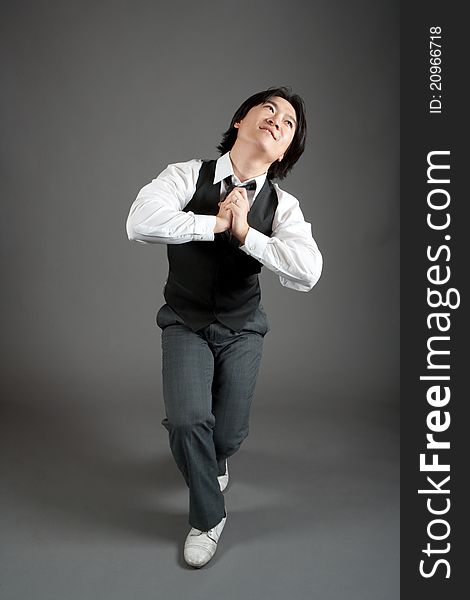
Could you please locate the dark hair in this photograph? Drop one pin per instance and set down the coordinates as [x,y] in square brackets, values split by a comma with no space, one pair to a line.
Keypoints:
[295,150]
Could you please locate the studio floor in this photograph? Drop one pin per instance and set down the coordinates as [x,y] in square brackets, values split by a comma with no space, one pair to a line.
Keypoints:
[93,506]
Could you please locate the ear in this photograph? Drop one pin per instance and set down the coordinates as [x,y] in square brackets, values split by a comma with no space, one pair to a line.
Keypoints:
[237,125]
[280,158]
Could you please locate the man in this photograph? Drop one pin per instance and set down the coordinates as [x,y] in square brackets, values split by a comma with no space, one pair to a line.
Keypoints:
[222,220]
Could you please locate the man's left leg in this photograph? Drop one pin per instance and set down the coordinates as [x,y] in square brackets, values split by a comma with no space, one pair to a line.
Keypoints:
[237,358]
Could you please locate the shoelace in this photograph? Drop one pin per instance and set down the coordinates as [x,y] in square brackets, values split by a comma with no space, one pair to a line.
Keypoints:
[201,532]
[207,533]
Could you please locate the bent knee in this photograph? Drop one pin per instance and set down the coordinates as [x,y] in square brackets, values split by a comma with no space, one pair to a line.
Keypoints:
[228,445]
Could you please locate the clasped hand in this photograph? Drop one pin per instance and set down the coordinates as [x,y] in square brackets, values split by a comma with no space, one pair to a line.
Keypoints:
[233,213]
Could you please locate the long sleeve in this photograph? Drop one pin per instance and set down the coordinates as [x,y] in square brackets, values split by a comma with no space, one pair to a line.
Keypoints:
[290,252]
[156,215]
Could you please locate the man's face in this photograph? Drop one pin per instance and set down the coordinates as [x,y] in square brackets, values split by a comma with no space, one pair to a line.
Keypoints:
[270,126]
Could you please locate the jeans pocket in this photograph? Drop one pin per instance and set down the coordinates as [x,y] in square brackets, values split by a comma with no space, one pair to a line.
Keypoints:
[264,319]
[166,316]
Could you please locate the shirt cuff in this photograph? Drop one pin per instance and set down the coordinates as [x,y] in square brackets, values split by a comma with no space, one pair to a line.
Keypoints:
[204,228]
[255,243]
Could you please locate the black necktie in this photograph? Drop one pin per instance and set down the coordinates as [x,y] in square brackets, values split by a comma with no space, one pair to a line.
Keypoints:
[249,185]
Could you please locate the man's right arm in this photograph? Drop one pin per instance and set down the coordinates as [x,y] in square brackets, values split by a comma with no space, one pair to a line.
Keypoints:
[157,215]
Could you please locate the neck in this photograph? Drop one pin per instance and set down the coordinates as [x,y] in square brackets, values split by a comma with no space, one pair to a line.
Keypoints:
[245,165]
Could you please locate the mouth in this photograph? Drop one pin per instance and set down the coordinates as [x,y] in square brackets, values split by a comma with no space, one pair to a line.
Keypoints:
[269,130]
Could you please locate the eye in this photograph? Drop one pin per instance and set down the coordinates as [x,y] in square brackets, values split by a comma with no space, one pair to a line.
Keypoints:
[290,124]
[269,106]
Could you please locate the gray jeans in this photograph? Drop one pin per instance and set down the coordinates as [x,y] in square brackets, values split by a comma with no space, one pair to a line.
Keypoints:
[209,378]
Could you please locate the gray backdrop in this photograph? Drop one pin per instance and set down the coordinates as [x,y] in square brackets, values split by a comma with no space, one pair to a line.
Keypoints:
[98,97]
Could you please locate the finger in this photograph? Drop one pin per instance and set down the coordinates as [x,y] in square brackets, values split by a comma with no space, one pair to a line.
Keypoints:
[230,197]
[237,192]
[227,201]
[232,202]
[242,199]
[241,208]
[242,191]
[237,210]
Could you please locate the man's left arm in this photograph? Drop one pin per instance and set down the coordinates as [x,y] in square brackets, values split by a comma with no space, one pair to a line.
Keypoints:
[290,251]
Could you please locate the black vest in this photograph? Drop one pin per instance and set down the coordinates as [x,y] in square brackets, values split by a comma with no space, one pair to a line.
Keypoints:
[209,281]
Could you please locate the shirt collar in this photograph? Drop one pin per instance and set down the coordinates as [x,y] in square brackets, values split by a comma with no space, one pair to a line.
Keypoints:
[224,168]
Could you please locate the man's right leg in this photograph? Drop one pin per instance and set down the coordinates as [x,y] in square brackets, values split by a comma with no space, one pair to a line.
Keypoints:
[188,369]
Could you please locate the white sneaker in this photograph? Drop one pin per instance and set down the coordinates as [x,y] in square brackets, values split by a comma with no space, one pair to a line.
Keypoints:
[200,546]
[223,479]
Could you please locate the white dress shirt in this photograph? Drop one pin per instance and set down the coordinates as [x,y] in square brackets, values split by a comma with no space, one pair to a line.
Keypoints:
[157,217]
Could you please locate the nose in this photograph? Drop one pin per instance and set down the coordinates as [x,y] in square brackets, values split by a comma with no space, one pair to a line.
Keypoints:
[273,121]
